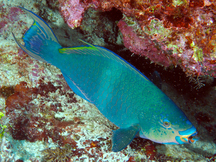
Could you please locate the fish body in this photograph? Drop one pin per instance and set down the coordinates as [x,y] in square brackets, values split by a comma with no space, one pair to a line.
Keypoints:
[122,94]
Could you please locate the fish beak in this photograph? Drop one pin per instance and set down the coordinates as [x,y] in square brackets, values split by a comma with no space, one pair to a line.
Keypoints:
[187,136]
[192,139]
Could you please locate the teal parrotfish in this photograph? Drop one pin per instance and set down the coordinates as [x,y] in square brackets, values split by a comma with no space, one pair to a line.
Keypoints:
[121,93]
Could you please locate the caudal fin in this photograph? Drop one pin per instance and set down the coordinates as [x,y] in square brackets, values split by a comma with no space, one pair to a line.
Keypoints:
[39,40]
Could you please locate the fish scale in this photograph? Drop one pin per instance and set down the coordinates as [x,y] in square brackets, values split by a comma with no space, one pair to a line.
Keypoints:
[121,93]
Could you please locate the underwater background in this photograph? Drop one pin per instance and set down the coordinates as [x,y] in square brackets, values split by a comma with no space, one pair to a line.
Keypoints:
[43,120]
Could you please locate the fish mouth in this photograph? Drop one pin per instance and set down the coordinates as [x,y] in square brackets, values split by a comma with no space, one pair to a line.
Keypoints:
[187,136]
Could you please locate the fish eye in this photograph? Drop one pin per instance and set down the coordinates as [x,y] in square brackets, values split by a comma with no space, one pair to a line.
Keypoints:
[166,123]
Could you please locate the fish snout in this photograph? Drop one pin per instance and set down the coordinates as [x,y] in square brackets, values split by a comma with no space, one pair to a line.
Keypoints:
[187,136]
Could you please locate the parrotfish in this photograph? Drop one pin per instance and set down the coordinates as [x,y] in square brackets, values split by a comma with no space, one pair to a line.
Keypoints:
[122,93]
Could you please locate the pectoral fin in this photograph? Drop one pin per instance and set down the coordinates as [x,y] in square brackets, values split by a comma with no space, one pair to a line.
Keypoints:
[123,137]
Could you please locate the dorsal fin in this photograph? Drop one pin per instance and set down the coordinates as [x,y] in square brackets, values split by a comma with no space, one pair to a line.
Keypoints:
[79,49]
[91,45]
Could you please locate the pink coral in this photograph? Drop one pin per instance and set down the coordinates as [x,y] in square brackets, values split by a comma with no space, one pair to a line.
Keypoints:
[143,46]
[72,12]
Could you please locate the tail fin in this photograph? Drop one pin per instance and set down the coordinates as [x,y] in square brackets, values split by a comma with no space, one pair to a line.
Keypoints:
[39,40]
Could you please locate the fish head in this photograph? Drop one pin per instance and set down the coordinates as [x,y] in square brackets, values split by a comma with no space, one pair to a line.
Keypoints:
[167,126]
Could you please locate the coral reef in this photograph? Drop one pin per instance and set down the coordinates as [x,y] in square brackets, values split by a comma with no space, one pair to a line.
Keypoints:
[47,117]
[8,17]
[169,33]
[99,27]
[145,146]
[33,126]
[58,154]
[2,127]
[142,45]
